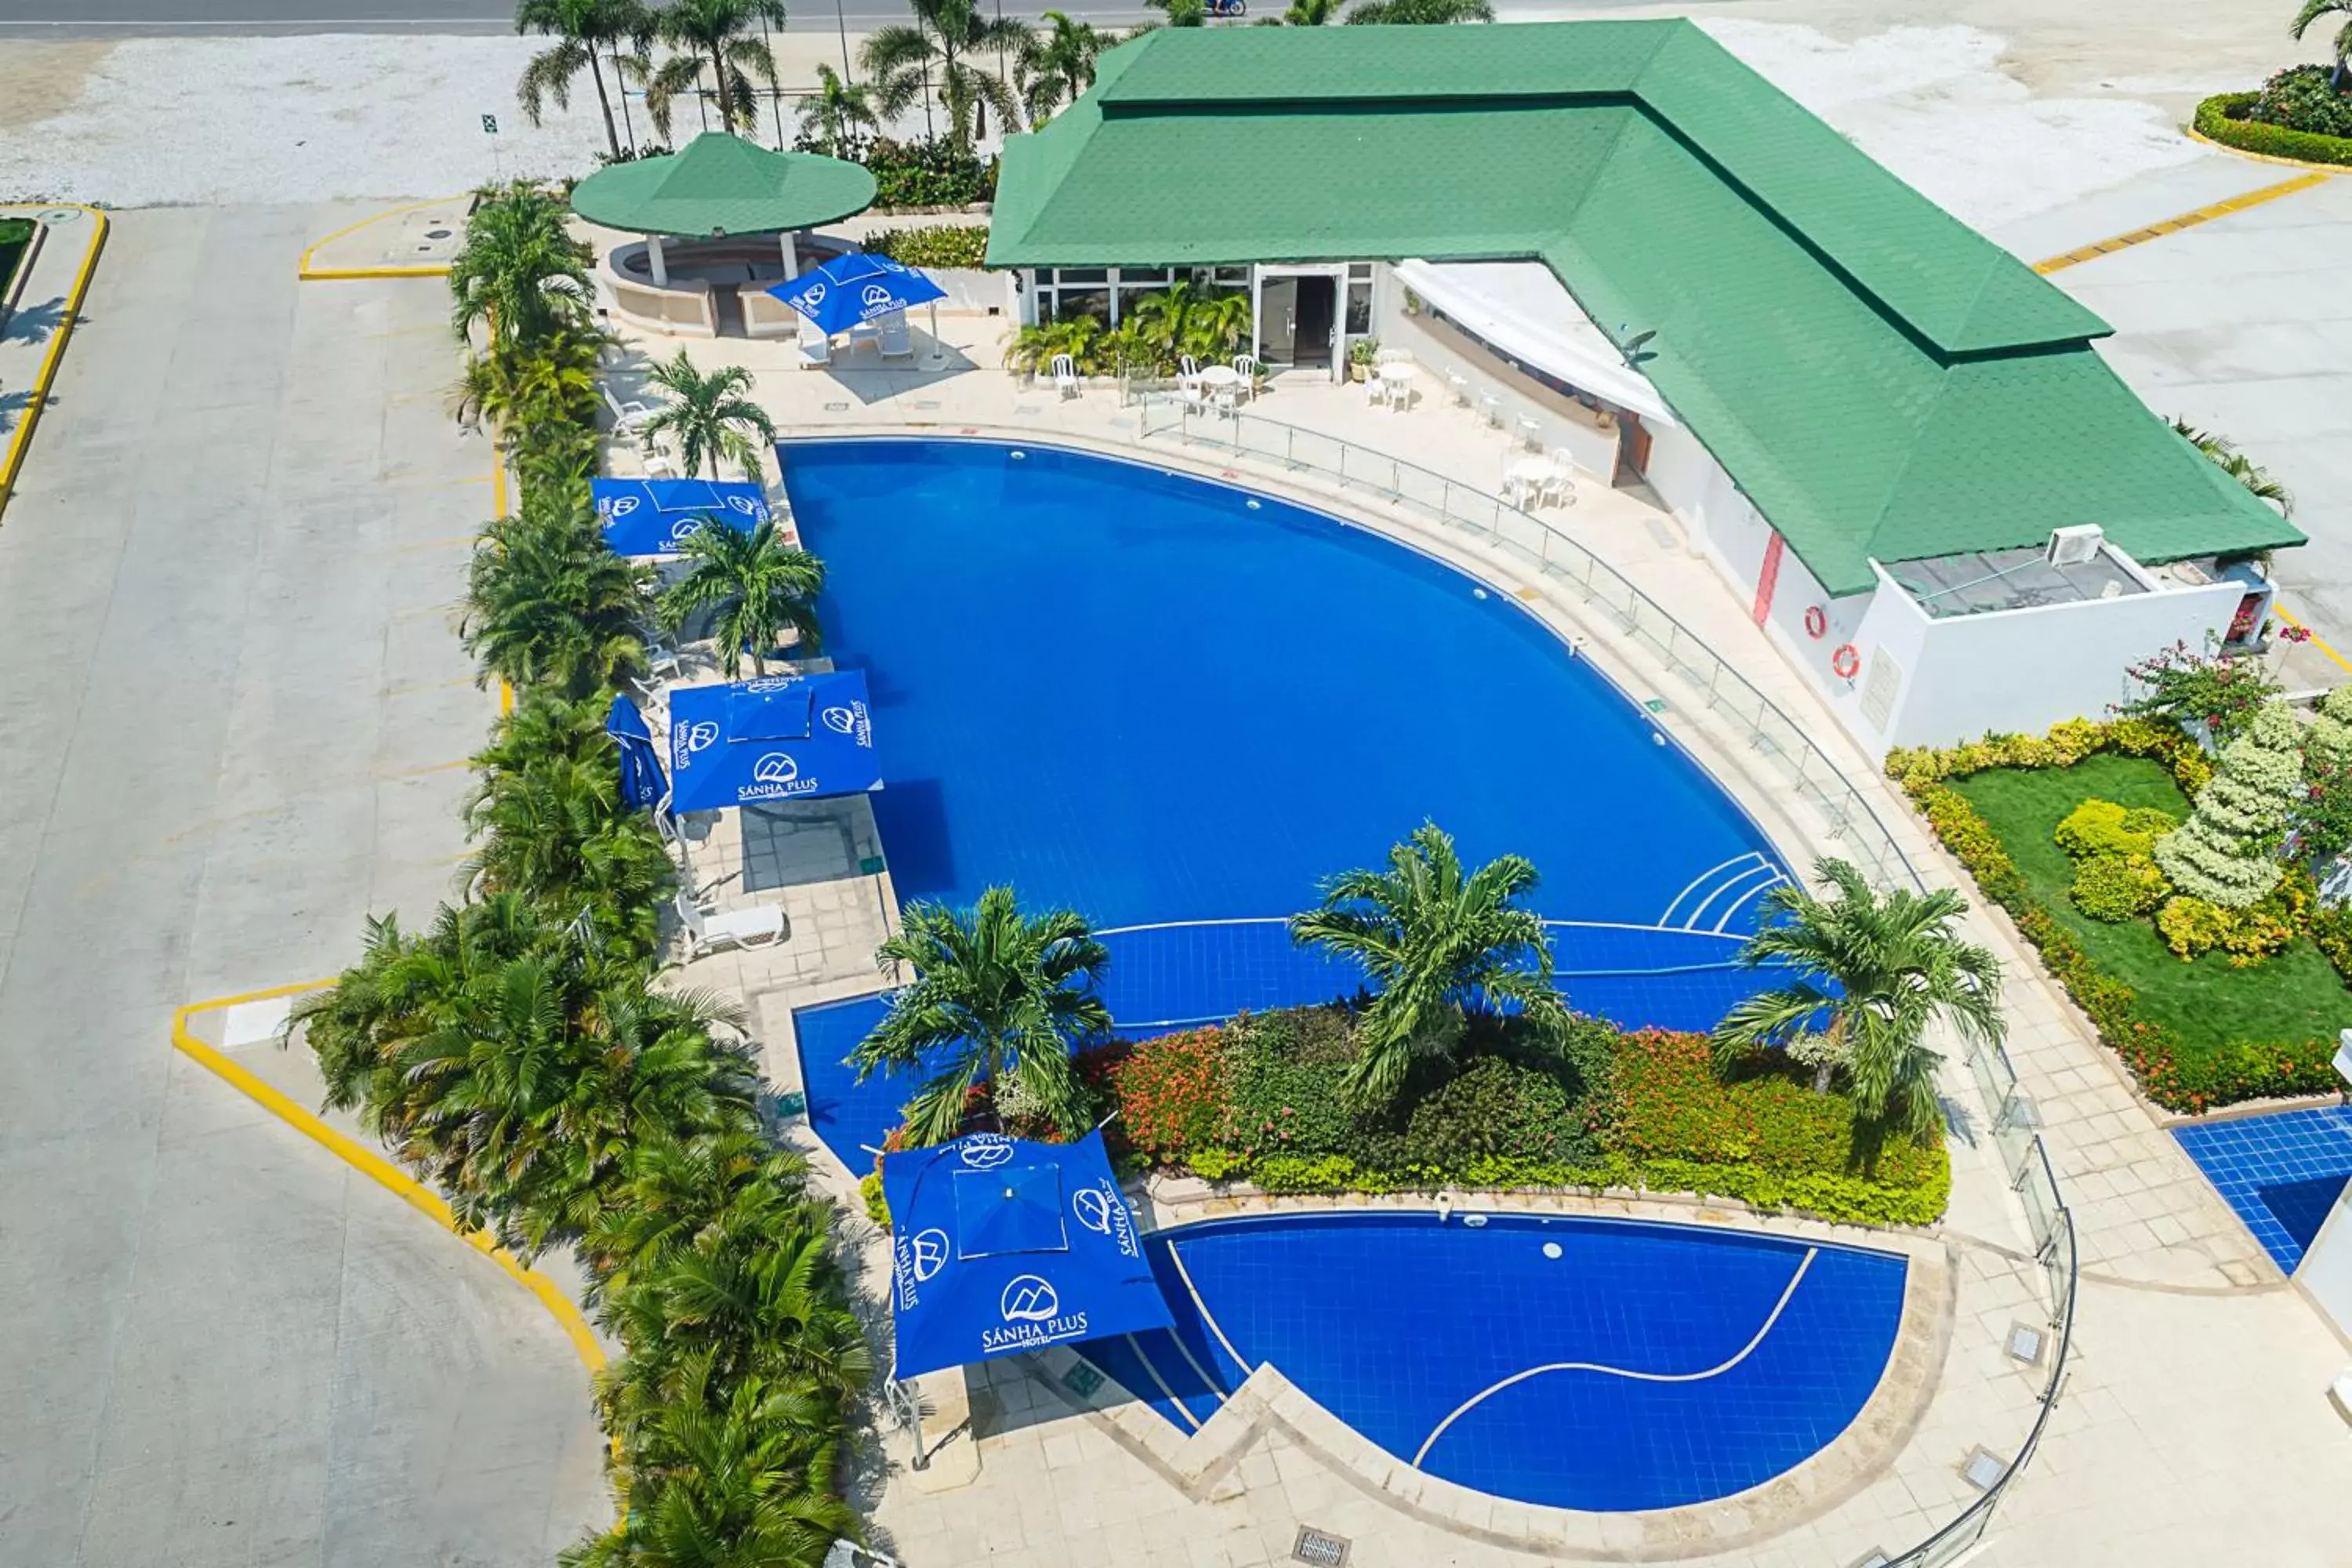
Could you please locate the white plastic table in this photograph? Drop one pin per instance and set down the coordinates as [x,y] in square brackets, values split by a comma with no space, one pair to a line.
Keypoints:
[1526,476]
[1216,375]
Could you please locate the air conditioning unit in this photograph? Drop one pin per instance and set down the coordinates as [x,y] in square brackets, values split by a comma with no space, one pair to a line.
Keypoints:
[2073,546]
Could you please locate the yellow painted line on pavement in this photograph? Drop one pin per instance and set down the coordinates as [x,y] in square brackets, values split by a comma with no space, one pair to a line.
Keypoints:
[20,439]
[2175,225]
[379,1170]
[2313,637]
[308,273]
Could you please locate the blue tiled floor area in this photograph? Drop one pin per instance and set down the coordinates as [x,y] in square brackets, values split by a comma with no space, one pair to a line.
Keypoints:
[1164,977]
[1754,1355]
[2281,1173]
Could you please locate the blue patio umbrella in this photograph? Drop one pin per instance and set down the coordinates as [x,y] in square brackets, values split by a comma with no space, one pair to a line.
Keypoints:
[782,737]
[642,785]
[1003,1245]
[655,517]
[855,288]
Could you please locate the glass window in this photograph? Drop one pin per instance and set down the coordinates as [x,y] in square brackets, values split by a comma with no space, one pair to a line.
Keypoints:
[1360,270]
[1230,277]
[1359,307]
[1076,302]
[1155,276]
[1082,275]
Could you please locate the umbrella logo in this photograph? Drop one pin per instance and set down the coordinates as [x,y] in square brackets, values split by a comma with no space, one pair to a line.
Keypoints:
[985,1150]
[874,296]
[697,736]
[1028,1299]
[747,506]
[768,683]
[928,1252]
[840,721]
[1092,1205]
[621,505]
[775,768]
[814,296]
[684,529]
[887,265]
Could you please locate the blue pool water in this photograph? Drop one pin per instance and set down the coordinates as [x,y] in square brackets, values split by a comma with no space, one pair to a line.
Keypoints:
[1170,704]
[2281,1173]
[1684,1364]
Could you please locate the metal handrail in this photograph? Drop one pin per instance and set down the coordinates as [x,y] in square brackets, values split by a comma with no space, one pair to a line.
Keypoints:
[1558,555]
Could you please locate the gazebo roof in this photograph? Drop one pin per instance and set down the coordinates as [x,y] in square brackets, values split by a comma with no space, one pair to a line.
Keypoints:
[722,185]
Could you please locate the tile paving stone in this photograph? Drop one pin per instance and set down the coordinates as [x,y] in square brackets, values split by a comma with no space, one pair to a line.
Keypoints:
[2119,1167]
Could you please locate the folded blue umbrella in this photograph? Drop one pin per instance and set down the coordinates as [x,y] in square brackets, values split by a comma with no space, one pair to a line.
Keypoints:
[855,288]
[1002,1245]
[642,784]
[656,516]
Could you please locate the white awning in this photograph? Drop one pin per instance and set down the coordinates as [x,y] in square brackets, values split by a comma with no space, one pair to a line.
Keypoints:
[1520,310]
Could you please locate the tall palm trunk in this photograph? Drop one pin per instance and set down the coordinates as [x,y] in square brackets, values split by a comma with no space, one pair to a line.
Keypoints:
[726,105]
[611,136]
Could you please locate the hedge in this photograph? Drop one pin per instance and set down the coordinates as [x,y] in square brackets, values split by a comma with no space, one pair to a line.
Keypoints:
[2173,1077]
[950,245]
[2219,120]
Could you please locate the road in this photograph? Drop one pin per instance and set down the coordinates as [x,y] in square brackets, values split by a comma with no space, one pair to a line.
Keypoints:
[137,18]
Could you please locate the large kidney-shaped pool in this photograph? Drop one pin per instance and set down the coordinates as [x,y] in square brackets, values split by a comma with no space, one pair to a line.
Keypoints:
[1598,1364]
[1176,706]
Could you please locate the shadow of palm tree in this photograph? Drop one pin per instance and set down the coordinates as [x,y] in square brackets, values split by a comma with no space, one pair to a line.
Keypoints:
[35,323]
[12,408]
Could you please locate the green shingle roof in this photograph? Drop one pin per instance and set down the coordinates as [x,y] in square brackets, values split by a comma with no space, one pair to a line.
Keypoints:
[722,185]
[1880,380]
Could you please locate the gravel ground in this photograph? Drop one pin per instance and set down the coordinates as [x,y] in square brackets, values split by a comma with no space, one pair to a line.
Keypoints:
[178,121]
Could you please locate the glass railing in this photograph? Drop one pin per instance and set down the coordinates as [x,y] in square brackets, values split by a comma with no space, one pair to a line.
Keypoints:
[1711,681]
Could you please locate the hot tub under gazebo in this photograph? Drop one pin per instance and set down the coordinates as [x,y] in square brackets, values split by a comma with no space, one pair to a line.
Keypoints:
[723,220]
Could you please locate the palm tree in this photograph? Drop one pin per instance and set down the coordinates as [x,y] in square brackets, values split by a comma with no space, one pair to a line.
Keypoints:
[1311,13]
[548,603]
[519,268]
[528,385]
[555,831]
[905,62]
[581,27]
[995,991]
[714,35]
[2236,464]
[1057,65]
[760,585]
[2313,10]
[709,416]
[1420,13]
[1437,946]
[836,113]
[1881,970]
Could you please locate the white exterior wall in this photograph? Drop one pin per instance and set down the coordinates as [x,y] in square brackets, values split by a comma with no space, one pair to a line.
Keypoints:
[2326,1274]
[2026,669]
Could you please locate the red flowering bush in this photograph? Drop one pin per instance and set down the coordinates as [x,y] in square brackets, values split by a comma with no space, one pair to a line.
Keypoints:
[1171,1091]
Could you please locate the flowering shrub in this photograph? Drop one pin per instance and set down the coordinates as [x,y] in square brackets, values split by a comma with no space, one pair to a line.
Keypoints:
[2220,691]
[1171,1091]
[2117,888]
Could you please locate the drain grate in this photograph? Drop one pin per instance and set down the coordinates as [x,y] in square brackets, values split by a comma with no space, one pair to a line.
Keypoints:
[1082,1379]
[1322,1549]
[928,404]
[836,408]
[1982,1468]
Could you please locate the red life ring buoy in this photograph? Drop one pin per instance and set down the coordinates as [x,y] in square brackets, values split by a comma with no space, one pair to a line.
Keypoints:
[1845,663]
[1817,622]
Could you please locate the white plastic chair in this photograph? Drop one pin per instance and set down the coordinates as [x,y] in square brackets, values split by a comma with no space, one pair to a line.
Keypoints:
[1458,385]
[1065,375]
[1187,367]
[895,341]
[1376,387]
[626,417]
[1531,432]
[1193,395]
[709,930]
[1229,400]
[1392,356]
[1247,367]
[1558,487]
[815,348]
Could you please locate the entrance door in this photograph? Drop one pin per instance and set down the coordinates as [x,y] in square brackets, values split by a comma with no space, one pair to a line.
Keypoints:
[1277,320]
[1318,300]
[1632,450]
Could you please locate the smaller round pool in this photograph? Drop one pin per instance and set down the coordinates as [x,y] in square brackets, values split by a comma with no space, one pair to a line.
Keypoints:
[1599,1364]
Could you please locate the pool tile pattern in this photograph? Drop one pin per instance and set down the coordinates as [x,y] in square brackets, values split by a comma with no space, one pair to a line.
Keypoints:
[2281,1173]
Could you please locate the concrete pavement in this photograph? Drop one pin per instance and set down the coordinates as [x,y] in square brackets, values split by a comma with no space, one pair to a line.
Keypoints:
[228,575]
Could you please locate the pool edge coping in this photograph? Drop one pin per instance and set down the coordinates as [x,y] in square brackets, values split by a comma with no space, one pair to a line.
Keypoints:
[1199,1464]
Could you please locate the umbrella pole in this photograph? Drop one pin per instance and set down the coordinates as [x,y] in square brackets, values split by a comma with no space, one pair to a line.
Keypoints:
[938,358]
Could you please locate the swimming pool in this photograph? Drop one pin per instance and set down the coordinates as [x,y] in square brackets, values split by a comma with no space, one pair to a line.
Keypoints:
[1579,1362]
[1176,706]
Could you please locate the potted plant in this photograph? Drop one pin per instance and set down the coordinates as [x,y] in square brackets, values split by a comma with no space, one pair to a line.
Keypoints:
[1362,356]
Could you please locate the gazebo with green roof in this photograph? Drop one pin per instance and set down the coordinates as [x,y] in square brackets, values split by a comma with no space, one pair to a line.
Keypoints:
[722,187]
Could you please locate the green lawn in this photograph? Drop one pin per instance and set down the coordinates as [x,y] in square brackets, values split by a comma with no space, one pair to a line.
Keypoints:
[2292,996]
[15,232]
